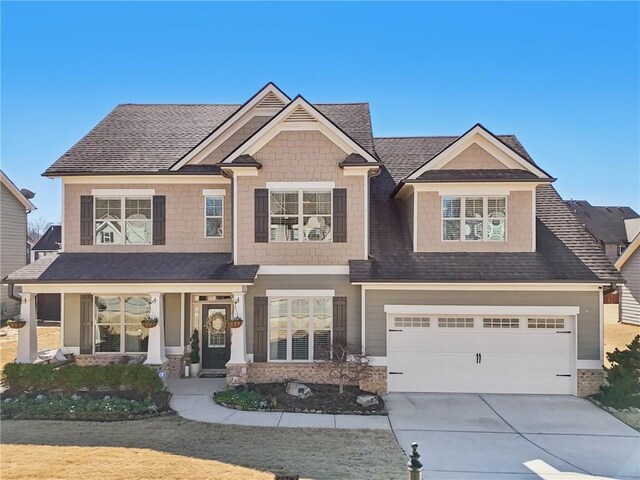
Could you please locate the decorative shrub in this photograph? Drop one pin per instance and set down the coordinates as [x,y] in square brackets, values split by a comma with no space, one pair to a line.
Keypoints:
[29,378]
[623,377]
[241,397]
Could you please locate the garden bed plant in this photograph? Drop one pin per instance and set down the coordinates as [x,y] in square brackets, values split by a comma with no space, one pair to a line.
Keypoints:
[71,392]
[272,397]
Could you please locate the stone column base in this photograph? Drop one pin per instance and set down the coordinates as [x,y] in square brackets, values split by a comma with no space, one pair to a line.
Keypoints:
[589,381]
[237,374]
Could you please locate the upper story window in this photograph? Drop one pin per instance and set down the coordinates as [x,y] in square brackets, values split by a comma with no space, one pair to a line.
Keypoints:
[120,220]
[300,215]
[213,216]
[474,219]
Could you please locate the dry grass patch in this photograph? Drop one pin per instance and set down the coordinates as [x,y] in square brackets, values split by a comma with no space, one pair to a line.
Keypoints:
[258,451]
[618,335]
[48,337]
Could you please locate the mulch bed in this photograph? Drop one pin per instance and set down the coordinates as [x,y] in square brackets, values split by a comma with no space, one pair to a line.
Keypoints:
[324,399]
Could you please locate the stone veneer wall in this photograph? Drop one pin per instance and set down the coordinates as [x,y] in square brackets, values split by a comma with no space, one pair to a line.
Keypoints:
[302,372]
[589,382]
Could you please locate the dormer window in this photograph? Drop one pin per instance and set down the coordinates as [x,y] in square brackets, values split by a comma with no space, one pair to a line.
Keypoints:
[474,219]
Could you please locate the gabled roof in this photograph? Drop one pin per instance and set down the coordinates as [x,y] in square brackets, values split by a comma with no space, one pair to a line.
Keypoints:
[50,240]
[16,192]
[478,175]
[300,111]
[150,139]
[606,224]
[631,249]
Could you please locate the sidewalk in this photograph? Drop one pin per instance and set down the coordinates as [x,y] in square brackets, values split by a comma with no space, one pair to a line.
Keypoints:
[193,399]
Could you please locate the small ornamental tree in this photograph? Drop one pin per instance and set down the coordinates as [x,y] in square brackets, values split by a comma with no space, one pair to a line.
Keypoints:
[346,363]
[194,356]
[623,377]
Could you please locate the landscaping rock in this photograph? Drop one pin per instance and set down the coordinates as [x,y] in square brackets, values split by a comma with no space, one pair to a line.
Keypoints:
[299,390]
[367,400]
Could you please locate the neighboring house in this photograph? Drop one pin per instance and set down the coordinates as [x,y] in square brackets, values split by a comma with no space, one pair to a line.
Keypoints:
[629,266]
[605,224]
[452,261]
[15,204]
[49,243]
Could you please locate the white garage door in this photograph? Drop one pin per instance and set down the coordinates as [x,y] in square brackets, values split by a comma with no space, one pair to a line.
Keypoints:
[480,354]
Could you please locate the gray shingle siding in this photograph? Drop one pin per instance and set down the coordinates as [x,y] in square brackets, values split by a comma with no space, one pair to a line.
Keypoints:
[13,241]
[630,293]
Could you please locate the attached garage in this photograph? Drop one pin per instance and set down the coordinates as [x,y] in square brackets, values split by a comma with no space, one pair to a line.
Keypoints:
[481,349]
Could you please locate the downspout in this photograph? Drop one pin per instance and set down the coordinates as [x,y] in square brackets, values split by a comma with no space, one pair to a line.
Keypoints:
[370,175]
[11,293]
[233,206]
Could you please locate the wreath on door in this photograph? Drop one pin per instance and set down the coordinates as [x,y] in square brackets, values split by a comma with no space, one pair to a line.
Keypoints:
[215,321]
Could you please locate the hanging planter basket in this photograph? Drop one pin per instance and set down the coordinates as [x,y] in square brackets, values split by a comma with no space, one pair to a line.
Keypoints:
[149,322]
[235,322]
[16,323]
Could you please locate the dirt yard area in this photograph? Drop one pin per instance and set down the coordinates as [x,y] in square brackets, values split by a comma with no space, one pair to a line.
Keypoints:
[48,337]
[172,447]
[618,335]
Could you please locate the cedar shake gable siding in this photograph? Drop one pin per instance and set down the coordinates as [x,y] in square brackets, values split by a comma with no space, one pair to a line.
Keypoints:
[300,156]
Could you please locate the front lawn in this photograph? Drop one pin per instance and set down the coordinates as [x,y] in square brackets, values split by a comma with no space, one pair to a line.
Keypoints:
[48,337]
[172,447]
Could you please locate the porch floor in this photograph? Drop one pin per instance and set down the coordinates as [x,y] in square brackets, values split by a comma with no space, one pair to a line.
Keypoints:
[192,398]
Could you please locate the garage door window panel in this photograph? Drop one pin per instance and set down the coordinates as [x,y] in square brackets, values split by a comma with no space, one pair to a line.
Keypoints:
[455,322]
[546,323]
[421,322]
[501,323]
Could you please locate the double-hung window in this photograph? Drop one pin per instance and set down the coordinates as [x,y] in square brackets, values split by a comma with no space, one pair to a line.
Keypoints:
[299,328]
[300,215]
[117,326]
[120,220]
[213,216]
[474,219]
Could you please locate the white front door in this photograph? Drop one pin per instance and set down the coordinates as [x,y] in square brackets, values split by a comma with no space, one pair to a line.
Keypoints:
[480,354]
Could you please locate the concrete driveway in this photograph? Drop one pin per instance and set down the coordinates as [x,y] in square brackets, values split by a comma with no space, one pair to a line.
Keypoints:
[470,436]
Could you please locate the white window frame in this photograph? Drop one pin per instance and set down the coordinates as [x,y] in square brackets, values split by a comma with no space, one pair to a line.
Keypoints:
[221,216]
[122,220]
[122,324]
[462,218]
[312,329]
[300,192]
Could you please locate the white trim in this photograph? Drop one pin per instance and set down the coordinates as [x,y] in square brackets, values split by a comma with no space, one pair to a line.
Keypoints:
[300,293]
[533,220]
[123,192]
[211,192]
[363,317]
[532,287]
[379,361]
[300,185]
[303,270]
[174,350]
[240,171]
[61,340]
[234,211]
[131,288]
[206,217]
[62,222]
[302,237]
[6,181]
[182,305]
[277,124]
[478,135]
[365,215]
[588,364]
[232,124]
[415,220]
[601,323]
[632,247]
[144,179]
[348,171]
[481,310]
[462,218]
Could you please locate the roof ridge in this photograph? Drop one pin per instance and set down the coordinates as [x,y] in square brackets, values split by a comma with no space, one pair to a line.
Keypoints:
[178,104]
[438,136]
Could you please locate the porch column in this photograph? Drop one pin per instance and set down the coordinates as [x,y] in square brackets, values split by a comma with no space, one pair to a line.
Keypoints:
[238,335]
[27,335]
[156,349]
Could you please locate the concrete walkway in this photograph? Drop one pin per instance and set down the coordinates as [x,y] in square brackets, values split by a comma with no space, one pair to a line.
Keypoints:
[193,399]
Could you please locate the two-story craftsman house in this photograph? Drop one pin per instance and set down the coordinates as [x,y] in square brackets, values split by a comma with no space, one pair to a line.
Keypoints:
[451,260]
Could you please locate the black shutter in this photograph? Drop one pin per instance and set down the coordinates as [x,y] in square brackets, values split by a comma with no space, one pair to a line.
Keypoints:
[159,217]
[86,220]
[339,214]
[260,320]
[340,320]
[86,324]
[262,215]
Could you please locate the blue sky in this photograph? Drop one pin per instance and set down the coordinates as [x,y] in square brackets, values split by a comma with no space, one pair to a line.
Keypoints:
[564,77]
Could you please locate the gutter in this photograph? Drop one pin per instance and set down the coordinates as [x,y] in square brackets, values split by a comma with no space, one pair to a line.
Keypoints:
[11,294]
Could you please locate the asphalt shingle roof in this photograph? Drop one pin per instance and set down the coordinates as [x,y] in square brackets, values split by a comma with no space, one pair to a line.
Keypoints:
[604,223]
[135,267]
[493,175]
[50,240]
[137,138]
